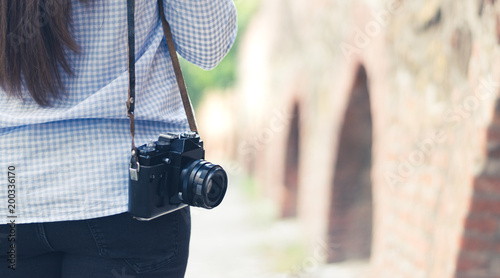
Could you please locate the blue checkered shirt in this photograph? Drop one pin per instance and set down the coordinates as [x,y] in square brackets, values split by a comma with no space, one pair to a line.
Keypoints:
[71,160]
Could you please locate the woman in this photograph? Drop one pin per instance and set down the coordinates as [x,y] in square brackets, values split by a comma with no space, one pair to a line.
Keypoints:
[64,131]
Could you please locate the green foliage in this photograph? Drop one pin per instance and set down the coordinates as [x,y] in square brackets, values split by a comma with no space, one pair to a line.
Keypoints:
[223,76]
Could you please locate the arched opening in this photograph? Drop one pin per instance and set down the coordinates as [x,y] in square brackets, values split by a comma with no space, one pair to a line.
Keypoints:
[289,208]
[481,222]
[350,223]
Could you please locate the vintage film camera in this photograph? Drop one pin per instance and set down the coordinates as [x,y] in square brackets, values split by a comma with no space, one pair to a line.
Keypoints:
[170,174]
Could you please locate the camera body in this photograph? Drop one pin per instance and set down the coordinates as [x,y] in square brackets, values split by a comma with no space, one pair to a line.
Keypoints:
[170,174]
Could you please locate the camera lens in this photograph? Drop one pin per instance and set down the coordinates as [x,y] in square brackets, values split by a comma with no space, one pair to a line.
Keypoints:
[203,184]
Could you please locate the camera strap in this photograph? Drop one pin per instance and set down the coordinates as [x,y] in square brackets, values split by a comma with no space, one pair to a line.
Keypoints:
[188,108]
[134,160]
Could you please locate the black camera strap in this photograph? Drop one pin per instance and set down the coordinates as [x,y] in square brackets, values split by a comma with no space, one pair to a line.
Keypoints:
[188,108]
[131,72]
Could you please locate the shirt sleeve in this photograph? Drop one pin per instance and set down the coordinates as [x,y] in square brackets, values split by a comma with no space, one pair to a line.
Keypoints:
[203,30]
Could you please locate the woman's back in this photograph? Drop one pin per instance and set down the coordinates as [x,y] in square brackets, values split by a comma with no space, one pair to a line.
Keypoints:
[71,158]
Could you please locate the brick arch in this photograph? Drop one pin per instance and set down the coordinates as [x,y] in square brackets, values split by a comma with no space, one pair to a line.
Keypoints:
[291,177]
[479,253]
[350,216]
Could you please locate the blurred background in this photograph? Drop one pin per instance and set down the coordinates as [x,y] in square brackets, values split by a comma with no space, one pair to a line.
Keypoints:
[361,139]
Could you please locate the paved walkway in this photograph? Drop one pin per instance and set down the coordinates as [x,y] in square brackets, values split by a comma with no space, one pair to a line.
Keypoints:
[240,239]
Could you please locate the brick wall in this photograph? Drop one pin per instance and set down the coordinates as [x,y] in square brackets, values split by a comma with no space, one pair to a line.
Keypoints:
[479,254]
[432,73]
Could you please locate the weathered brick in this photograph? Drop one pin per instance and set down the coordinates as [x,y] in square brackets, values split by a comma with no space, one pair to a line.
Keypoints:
[496,247]
[485,206]
[487,185]
[482,224]
[470,243]
[475,275]
[470,261]
[493,134]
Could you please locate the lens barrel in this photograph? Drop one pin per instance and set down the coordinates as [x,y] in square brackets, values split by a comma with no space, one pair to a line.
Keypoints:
[203,184]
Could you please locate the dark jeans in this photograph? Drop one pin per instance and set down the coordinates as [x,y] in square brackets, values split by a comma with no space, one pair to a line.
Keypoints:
[116,246]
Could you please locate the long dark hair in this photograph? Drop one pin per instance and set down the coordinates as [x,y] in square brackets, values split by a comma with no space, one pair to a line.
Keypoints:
[33,38]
